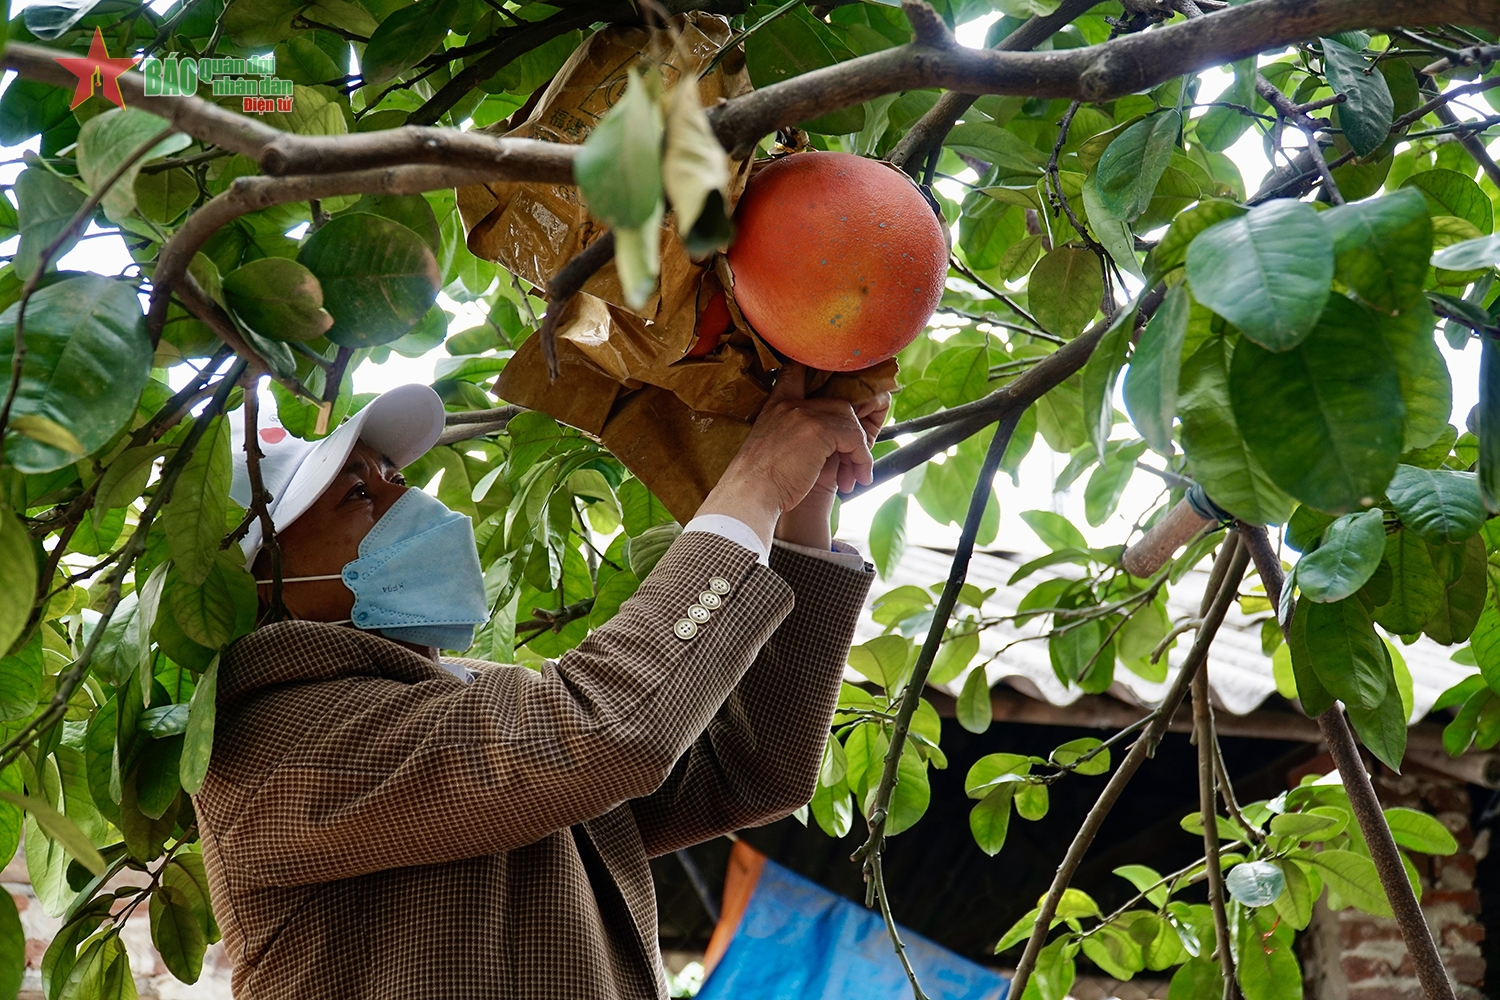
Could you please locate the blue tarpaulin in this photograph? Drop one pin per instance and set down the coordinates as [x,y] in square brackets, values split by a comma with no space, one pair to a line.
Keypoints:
[797,939]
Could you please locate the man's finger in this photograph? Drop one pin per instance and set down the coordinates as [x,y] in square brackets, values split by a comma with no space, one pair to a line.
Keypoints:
[791,383]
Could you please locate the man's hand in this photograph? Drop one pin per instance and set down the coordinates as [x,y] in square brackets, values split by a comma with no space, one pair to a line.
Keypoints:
[798,455]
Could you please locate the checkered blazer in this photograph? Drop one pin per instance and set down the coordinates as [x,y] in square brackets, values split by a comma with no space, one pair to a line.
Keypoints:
[375,828]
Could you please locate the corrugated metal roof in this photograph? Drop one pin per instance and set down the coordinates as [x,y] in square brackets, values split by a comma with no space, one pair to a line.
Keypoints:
[1239,673]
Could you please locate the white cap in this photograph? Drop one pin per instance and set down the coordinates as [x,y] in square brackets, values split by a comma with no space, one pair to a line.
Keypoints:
[402,424]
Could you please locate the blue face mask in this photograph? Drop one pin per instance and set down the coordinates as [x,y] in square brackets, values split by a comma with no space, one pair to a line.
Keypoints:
[417,577]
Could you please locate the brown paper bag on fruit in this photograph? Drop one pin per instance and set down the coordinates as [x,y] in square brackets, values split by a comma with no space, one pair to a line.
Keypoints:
[626,376]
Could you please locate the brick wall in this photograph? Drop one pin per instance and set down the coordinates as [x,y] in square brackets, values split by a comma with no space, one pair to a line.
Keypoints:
[1352,956]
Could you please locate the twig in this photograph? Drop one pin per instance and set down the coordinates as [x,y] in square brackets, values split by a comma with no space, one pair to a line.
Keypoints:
[1471,143]
[739,37]
[1377,833]
[79,219]
[260,497]
[1229,567]
[870,852]
[1226,792]
[564,285]
[996,293]
[1203,733]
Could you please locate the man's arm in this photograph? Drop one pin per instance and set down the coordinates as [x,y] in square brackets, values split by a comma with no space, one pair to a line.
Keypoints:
[758,759]
[323,781]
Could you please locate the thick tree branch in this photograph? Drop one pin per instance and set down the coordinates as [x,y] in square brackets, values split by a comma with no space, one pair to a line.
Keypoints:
[250,194]
[933,127]
[1377,833]
[499,159]
[1229,568]
[468,424]
[1095,73]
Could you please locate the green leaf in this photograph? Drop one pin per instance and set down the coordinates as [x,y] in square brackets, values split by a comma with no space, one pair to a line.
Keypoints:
[1349,658]
[59,828]
[910,797]
[12,948]
[793,44]
[619,167]
[645,550]
[406,37]
[108,140]
[1112,232]
[1133,163]
[1171,252]
[1416,591]
[1219,128]
[1218,455]
[1269,272]
[194,517]
[1449,192]
[1426,385]
[1462,599]
[198,742]
[1107,483]
[1266,966]
[44,431]
[1295,905]
[1319,416]
[28,108]
[47,203]
[1439,505]
[1151,383]
[962,373]
[1195,980]
[1074,750]
[1305,826]
[1419,831]
[87,359]
[1489,423]
[1100,374]
[21,672]
[378,277]
[1065,290]
[18,579]
[1019,931]
[989,821]
[278,299]
[1381,248]
[1354,878]
[973,711]
[220,608]
[177,933]
[1368,108]
[1055,970]
[953,657]
[1469,255]
[1055,531]
[1383,728]
[883,660]
[888,535]
[1115,951]
[1147,880]
[1353,546]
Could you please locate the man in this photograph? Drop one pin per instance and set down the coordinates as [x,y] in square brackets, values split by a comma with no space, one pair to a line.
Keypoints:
[378,823]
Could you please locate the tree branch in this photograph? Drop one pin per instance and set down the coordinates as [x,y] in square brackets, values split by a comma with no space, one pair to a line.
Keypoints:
[1377,833]
[260,496]
[1228,569]
[250,194]
[564,285]
[933,127]
[1094,73]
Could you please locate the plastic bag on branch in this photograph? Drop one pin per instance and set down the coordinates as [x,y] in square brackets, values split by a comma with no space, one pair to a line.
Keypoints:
[626,376]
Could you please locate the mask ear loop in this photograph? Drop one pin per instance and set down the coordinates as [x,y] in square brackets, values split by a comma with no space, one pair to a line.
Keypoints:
[310,579]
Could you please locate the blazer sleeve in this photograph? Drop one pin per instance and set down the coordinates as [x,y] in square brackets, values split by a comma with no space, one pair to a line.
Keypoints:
[383,774]
[758,759]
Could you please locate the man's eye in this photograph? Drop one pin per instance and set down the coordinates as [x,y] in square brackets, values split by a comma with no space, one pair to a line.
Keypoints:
[398,479]
[359,493]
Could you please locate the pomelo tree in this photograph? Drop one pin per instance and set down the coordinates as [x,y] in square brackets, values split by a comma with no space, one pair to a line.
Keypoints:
[1276,351]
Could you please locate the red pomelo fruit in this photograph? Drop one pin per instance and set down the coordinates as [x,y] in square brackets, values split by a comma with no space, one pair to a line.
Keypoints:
[838,261]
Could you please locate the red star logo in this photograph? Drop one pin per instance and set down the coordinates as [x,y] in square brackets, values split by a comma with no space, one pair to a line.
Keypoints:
[97,65]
